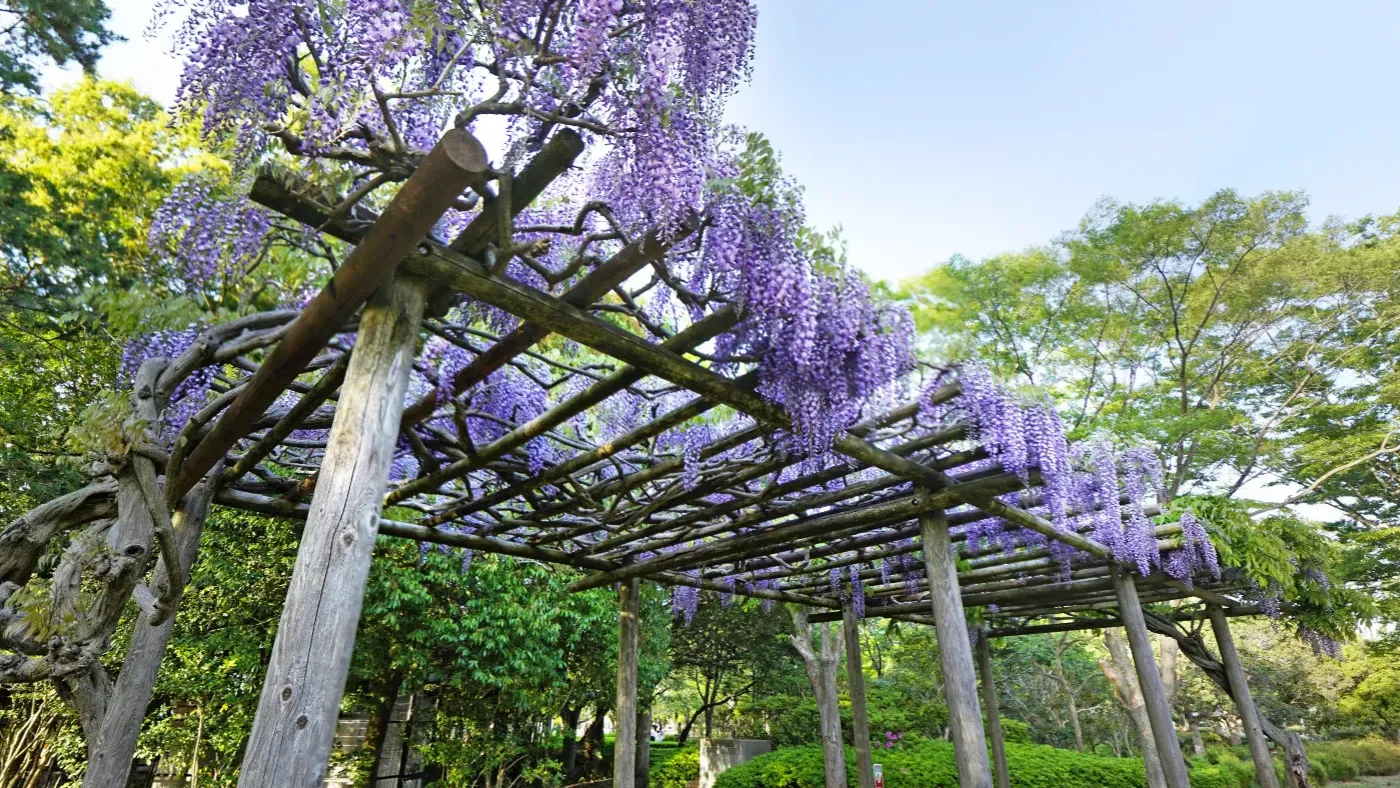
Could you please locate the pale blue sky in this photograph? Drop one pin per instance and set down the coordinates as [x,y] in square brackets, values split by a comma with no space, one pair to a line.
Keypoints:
[926,129]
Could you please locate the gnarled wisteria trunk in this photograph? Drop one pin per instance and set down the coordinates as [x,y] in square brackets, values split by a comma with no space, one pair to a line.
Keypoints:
[112,749]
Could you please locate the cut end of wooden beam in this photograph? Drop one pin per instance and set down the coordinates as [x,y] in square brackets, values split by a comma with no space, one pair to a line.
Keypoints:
[465,151]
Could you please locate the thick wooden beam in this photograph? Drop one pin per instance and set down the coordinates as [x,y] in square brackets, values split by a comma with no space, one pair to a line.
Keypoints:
[993,711]
[291,737]
[1154,695]
[1244,699]
[855,679]
[456,162]
[955,654]
[1107,622]
[625,715]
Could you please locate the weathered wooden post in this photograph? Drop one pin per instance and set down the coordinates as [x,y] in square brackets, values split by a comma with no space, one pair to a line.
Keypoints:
[1244,700]
[625,744]
[1154,694]
[291,738]
[860,725]
[955,653]
[989,700]
[643,768]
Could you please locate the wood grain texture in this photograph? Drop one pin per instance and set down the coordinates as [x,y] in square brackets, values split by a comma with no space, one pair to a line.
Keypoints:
[1154,695]
[955,653]
[300,702]
[110,761]
[457,161]
[625,715]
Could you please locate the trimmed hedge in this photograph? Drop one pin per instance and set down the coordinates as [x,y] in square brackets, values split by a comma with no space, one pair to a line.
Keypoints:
[928,763]
[678,768]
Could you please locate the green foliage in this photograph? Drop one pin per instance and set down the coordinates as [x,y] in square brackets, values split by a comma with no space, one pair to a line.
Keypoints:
[56,31]
[213,670]
[1286,553]
[1346,760]
[1015,731]
[928,763]
[679,770]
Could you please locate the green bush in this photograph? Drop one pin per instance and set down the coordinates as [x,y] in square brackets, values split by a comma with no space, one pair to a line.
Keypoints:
[1016,732]
[1346,760]
[677,768]
[928,763]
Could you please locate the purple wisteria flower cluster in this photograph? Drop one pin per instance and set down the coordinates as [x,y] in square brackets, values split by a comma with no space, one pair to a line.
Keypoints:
[209,237]
[362,88]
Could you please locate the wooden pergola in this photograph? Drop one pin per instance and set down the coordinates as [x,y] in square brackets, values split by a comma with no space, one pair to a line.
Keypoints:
[738,514]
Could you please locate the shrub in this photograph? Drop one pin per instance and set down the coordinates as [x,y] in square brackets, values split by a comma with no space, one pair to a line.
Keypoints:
[1346,760]
[928,763]
[1016,732]
[677,769]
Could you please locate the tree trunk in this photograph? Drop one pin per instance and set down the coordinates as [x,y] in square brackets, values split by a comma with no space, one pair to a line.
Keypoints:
[295,722]
[570,716]
[1118,669]
[111,757]
[593,743]
[1066,687]
[821,672]
[1074,723]
[684,735]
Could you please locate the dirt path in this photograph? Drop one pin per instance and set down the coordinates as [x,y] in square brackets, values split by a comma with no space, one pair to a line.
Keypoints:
[1393,781]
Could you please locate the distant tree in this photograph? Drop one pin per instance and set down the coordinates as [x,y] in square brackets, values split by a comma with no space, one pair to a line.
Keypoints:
[727,650]
[36,32]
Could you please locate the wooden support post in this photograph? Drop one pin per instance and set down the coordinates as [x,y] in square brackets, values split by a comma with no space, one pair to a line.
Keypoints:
[1154,694]
[989,700]
[860,726]
[625,715]
[643,769]
[291,737]
[955,653]
[1244,701]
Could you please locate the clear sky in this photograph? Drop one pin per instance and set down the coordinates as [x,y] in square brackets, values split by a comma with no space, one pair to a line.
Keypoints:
[927,129]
